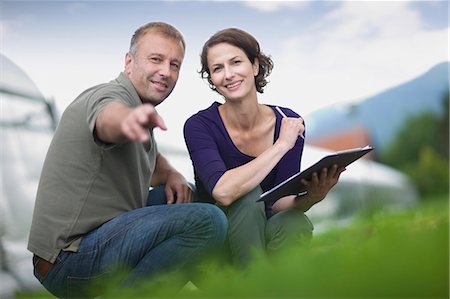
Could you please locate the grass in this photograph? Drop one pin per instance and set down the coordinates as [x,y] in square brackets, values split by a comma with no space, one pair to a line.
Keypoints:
[403,254]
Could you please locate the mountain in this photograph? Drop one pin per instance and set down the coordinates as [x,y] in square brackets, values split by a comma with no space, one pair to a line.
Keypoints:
[384,113]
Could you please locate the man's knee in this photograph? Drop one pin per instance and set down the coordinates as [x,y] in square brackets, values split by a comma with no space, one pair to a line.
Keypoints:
[218,218]
[213,217]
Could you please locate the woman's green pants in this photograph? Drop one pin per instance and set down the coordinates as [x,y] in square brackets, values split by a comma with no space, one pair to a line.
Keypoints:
[250,231]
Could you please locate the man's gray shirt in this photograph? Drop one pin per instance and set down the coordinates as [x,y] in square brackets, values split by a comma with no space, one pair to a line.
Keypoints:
[84,182]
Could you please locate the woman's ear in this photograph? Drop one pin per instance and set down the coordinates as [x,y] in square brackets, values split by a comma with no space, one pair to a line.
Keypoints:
[256,67]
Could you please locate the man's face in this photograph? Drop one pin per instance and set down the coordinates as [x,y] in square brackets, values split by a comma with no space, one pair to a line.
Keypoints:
[155,67]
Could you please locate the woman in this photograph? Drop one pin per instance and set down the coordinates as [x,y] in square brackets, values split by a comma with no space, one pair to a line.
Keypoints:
[241,148]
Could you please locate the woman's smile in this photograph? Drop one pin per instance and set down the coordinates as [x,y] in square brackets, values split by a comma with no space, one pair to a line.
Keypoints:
[234,85]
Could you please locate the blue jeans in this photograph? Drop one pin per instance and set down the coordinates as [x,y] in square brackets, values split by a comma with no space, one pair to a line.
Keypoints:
[142,243]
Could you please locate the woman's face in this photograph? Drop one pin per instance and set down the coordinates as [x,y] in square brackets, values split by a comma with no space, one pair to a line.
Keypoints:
[231,71]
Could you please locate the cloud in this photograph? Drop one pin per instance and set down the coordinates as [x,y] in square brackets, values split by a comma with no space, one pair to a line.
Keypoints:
[271,6]
[76,7]
[8,25]
[355,19]
[355,51]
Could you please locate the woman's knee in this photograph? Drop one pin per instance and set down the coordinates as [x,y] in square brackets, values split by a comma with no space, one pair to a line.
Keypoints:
[248,204]
[290,224]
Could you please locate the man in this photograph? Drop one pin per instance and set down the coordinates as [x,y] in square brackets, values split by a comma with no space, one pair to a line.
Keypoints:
[91,214]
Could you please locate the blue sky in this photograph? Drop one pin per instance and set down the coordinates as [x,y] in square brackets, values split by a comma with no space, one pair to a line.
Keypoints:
[325,52]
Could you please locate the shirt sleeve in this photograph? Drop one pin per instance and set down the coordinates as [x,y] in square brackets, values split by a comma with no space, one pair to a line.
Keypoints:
[204,152]
[98,100]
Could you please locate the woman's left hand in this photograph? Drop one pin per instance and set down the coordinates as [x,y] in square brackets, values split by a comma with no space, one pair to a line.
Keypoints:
[320,184]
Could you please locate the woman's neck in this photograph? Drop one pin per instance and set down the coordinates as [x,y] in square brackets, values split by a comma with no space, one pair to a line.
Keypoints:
[242,115]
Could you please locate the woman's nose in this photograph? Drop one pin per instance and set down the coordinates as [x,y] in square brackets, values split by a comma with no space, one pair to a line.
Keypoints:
[228,72]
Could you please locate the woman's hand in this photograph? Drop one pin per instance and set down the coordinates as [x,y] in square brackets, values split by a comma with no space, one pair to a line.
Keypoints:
[317,188]
[320,184]
[291,128]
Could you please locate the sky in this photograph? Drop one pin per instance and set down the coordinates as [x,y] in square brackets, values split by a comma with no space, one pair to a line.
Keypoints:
[325,52]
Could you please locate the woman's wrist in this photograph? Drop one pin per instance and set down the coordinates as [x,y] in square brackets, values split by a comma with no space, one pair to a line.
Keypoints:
[305,201]
[282,146]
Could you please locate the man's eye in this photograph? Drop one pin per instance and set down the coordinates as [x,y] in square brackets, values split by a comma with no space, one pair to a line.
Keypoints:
[156,59]
[175,66]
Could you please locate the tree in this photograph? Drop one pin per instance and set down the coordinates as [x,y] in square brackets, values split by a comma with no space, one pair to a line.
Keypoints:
[421,150]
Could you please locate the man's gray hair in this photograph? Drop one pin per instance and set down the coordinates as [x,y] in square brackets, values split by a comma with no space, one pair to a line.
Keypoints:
[165,29]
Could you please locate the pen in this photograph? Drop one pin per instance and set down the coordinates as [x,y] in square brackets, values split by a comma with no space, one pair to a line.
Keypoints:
[284,115]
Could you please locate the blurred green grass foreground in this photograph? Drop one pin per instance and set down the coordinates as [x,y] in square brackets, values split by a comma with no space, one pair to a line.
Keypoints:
[383,254]
[403,254]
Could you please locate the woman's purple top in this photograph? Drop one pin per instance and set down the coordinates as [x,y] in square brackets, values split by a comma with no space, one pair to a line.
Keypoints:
[213,152]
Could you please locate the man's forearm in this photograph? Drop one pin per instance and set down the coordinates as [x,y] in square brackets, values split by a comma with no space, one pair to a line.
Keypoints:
[162,170]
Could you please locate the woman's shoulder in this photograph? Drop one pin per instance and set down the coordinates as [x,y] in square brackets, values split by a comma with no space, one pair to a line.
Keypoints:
[209,114]
[287,111]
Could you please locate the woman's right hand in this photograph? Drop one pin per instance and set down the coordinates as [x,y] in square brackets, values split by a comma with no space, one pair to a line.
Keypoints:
[291,129]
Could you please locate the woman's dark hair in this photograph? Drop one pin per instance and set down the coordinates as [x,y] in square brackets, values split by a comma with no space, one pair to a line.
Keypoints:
[248,44]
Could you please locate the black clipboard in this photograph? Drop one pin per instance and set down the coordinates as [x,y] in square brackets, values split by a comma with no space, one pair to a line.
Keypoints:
[293,185]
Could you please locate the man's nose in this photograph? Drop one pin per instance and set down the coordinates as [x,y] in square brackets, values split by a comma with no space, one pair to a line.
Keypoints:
[164,69]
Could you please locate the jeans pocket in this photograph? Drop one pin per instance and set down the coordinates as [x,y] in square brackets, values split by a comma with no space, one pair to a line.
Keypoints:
[38,276]
[86,287]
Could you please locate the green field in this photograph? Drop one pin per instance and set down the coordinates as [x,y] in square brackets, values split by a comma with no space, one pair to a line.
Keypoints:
[403,254]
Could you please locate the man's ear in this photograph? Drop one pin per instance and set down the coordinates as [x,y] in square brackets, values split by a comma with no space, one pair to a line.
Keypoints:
[256,67]
[128,61]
